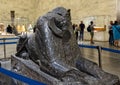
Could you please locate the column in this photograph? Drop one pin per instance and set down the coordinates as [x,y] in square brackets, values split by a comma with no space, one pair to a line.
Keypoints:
[118,10]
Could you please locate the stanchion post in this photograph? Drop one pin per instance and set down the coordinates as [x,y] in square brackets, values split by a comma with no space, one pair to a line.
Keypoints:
[99,56]
[4,48]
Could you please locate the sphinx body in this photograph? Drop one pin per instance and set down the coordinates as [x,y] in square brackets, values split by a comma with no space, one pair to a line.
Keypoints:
[54,48]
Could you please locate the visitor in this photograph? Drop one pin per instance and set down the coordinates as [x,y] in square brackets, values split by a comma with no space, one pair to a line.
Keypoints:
[116,33]
[9,29]
[111,40]
[73,26]
[76,31]
[92,32]
[82,27]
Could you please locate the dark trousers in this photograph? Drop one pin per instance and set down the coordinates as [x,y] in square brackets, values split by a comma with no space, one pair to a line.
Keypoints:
[81,35]
[111,39]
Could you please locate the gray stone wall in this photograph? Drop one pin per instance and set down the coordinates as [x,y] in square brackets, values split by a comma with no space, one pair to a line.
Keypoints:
[32,9]
[80,8]
[22,8]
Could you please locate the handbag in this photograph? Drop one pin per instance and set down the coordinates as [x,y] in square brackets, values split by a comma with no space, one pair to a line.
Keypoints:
[89,28]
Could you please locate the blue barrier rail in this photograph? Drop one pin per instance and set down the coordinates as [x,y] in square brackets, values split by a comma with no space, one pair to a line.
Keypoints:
[110,50]
[102,48]
[8,43]
[20,77]
[15,75]
[9,38]
[81,45]
[1,43]
[88,46]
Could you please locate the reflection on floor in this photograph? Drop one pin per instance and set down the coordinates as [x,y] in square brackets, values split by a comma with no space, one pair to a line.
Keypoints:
[110,60]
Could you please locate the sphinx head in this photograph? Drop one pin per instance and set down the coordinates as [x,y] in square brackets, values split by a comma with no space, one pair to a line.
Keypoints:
[60,22]
[62,17]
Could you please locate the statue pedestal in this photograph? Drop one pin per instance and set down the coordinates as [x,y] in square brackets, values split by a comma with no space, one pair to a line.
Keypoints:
[31,70]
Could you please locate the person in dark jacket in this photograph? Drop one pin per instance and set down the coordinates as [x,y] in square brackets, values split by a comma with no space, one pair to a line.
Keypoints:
[111,39]
[9,29]
[82,27]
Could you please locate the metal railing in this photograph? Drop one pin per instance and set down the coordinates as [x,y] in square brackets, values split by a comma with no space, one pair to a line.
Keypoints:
[19,77]
[14,75]
[5,42]
[100,48]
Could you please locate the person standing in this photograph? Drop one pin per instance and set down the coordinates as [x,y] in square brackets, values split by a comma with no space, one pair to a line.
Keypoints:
[9,29]
[76,31]
[92,32]
[116,33]
[111,40]
[73,26]
[82,27]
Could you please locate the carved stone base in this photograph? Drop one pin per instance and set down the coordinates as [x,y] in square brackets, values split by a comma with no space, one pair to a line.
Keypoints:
[30,69]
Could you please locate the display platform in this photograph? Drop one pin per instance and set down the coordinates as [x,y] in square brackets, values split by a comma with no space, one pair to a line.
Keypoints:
[99,29]
[30,69]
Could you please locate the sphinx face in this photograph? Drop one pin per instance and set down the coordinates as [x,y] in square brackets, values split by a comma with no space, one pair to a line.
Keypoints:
[59,24]
[63,18]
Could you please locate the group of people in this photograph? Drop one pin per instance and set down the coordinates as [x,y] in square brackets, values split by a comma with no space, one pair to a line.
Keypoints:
[114,33]
[79,31]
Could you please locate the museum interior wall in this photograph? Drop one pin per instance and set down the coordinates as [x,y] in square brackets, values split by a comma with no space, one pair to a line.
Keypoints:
[100,11]
[24,12]
[22,8]
[80,8]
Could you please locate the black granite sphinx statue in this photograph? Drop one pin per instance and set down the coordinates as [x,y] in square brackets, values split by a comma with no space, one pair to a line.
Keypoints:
[54,48]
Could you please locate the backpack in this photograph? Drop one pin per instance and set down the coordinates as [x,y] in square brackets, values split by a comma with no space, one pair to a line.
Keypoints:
[89,28]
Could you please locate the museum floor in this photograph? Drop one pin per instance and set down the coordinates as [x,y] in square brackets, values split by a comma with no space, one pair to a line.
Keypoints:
[110,60]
